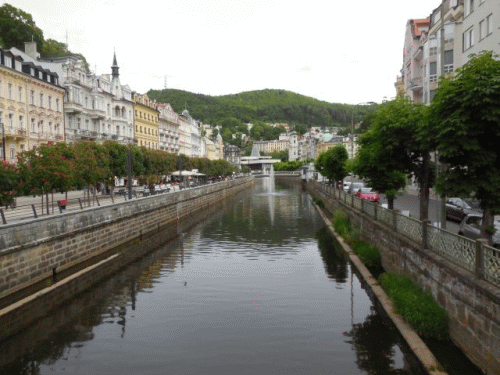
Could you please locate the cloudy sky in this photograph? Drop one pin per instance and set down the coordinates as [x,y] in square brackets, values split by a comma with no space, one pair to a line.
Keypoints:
[339,51]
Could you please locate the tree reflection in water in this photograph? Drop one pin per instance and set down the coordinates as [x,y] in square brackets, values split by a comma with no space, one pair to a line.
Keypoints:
[334,258]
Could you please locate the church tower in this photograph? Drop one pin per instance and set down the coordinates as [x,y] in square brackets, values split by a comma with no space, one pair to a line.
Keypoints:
[116,87]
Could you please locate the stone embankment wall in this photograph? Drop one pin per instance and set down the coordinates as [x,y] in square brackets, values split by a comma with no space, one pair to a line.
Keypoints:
[34,250]
[473,305]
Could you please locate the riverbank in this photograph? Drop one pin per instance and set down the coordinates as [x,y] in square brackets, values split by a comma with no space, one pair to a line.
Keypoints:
[53,250]
[419,348]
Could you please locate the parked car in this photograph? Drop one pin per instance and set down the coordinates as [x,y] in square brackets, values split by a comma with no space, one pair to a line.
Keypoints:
[470,227]
[346,185]
[368,194]
[457,209]
[354,187]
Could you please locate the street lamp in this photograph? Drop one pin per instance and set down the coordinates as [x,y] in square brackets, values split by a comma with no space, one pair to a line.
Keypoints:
[3,140]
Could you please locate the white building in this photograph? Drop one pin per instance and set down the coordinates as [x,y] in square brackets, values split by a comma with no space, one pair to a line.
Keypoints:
[412,70]
[168,128]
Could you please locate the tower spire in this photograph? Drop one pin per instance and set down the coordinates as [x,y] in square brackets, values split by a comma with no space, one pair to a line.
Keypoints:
[114,67]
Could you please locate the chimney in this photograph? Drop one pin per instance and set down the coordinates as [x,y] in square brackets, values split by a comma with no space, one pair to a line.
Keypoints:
[30,50]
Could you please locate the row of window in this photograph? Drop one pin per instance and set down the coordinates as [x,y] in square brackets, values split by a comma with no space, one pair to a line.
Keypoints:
[469,6]
[148,117]
[138,129]
[485,29]
[43,102]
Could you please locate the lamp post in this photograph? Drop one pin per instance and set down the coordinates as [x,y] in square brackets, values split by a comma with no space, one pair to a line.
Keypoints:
[3,140]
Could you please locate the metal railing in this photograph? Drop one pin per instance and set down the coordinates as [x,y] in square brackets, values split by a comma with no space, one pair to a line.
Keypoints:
[57,204]
[473,255]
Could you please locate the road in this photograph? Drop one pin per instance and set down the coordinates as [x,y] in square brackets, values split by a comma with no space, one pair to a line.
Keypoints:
[410,202]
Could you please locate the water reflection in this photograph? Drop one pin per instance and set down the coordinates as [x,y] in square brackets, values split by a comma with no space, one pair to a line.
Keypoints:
[244,292]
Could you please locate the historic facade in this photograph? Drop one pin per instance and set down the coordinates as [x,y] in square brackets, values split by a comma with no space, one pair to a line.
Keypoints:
[168,126]
[146,121]
[31,105]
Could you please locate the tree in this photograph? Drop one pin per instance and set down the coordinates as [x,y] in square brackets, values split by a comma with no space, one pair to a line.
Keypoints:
[333,163]
[391,149]
[9,179]
[465,130]
[18,27]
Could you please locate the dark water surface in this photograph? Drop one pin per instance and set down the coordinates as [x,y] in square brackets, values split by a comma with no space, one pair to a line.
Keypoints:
[258,288]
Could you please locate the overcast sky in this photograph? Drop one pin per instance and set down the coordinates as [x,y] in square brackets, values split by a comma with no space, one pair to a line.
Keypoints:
[347,51]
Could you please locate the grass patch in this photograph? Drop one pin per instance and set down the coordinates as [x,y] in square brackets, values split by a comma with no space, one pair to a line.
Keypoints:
[417,307]
[319,202]
[369,255]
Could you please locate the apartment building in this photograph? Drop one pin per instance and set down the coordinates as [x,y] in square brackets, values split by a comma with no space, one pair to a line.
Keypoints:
[441,45]
[168,126]
[31,105]
[146,120]
[412,70]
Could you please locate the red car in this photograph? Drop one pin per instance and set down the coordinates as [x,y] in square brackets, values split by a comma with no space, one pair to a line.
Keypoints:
[368,194]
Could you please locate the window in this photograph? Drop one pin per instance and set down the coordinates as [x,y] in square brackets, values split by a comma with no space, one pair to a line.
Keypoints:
[448,61]
[482,29]
[50,102]
[21,125]
[12,153]
[453,3]
[433,72]
[41,100]
[20,92]
[432,93]
[468,38]
[57,105]
[489,24]
[468,7]
[11,121]
[33,125]
[32,97]
[433,51]
[9,91]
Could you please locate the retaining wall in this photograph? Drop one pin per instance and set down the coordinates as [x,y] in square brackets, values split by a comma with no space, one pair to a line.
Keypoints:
[473,304]
[34,250]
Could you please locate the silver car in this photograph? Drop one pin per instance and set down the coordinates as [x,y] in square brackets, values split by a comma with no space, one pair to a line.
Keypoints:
[354,187]
[470,227]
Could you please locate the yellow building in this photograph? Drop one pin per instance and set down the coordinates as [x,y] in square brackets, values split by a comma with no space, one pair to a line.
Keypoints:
[31,105]
[146,121]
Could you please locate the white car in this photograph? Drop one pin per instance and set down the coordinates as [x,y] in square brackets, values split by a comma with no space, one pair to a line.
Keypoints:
[346,185]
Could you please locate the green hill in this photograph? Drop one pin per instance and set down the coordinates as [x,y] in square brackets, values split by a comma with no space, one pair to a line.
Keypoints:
[265,105]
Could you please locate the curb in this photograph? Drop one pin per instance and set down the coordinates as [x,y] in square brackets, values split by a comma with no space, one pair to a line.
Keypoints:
[416,344]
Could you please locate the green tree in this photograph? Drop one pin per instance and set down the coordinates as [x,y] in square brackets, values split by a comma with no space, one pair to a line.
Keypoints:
[9,183]
[18,27]
[465,130]
[389,149]
[333,163]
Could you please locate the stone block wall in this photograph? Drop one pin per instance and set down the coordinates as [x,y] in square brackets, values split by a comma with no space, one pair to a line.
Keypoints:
[473,305]
[31,251]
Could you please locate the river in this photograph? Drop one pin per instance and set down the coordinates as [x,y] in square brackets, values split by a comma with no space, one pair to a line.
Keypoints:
[259,287]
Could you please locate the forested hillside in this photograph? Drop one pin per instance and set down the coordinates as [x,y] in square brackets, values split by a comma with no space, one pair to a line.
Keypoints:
[275,106]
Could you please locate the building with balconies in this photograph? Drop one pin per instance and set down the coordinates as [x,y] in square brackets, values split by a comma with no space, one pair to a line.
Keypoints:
[146,120]
[31,104]
[168,127]
[412,71]
[441,45]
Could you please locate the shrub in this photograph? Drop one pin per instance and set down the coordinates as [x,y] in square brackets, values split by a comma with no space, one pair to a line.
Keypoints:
[319,202]
[417,307]
[369,255]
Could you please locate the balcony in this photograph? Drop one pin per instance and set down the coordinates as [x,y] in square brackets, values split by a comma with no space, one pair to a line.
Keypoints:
[416,84]
[97,114]
[72,107]
[418,54]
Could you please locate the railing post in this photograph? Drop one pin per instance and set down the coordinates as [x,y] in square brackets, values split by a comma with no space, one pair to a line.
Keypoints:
[479,271]
[3,216]
[34,211]
[425,234]
[80,201]
[394,220]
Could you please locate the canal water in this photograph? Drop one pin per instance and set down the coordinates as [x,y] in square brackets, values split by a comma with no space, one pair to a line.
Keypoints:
[257,288]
